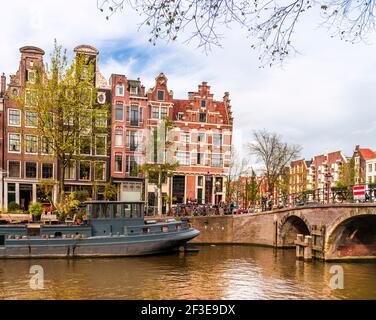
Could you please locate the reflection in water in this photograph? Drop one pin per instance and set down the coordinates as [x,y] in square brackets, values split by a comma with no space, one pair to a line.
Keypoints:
[216,272]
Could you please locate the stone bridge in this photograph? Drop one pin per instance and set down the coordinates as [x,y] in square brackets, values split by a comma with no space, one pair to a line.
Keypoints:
[340,231]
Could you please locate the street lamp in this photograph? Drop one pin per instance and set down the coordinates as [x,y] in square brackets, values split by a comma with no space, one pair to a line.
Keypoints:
[328,180]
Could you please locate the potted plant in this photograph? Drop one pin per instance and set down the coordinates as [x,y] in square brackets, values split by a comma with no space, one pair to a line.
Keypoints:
[36,209]
[13,207]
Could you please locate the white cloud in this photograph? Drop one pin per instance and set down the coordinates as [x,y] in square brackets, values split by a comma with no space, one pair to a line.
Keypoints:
[322,98]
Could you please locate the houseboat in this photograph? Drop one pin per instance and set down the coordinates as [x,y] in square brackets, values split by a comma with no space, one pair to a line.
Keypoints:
[112,229]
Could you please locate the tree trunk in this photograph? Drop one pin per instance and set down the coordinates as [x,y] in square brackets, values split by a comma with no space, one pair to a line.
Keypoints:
[60,195]
[159,199]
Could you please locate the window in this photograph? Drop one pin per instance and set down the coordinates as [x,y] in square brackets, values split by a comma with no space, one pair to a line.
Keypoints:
[185,137]
[183,158]
[203,103]
[101,120]
[163,112]
[85,145]
[14,142]
[118,162]
[119,113]
[14,169]
[133,90]
[217,160]
[131,166]
[47,145]
[155,113]
[370,167]
[30,98]
[119,137]
[30,119]
[86,95]
[31,76]
[31,144]
[31,170]
[132,140]
[120,90]
[85,170]
[217,139]
[180,116]
[47,170]
[70,171]
[200,158]
[160,95]
[200,181]
[202,117]
[201,137]
[134,116]
[14,117]
[100,171]
[100,145]
[369,179]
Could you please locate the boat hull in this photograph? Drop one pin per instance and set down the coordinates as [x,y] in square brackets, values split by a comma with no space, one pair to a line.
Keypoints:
[107,246]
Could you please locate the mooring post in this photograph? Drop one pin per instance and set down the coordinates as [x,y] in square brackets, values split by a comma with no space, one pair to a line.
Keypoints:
[308,248]
[299,247]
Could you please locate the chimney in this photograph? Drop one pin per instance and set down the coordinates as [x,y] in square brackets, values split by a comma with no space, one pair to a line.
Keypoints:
[3,85]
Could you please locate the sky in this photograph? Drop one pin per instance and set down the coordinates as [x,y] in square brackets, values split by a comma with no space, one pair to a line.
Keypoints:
[322,98]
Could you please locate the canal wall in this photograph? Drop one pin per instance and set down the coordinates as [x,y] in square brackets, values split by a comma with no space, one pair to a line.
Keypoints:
[257,229]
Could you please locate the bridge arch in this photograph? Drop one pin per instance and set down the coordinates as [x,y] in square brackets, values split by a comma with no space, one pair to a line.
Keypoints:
[352,235]
[290,226]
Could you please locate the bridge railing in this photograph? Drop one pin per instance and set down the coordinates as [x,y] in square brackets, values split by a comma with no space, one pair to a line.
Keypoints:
[333,195]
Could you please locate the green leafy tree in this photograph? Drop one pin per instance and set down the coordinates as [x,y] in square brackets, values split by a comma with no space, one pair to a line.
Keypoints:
[347,174]
[62,100]
[252,191]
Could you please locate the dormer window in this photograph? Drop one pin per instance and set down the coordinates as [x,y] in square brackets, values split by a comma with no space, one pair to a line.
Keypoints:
[160,95]
[133,90]
[120,90]
[31,76]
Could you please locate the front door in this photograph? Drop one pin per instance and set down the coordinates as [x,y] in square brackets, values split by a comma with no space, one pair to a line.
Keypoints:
[26,196]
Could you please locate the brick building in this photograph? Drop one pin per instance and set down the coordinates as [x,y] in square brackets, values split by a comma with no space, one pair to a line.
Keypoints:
[113,152]
[90,170]
[129,105]
[27,158]
[323,164]
[360,157]
[298,175]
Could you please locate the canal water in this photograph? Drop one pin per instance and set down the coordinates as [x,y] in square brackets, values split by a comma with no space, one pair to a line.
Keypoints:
[215,272]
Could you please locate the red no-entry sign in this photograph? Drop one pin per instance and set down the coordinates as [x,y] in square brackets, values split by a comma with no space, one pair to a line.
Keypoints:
[359,192]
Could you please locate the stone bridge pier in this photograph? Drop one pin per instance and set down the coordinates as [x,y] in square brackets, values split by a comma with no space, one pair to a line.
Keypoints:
[346,231]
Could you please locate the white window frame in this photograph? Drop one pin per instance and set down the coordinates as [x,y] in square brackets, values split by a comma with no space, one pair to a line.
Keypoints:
[204,140]
[30,126]
[25,143]
[19,176]
[42,149]
[20,145]
[187,160]
[164,94]
[203,159]
[79,170]
[14,125]
[35,76]
[105,144]
[104,170]
[118,129]
[122,162]
[41,170]
[211,159]
[186,134]
[36,167]
[74,162]
[91,146]
[118,86]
